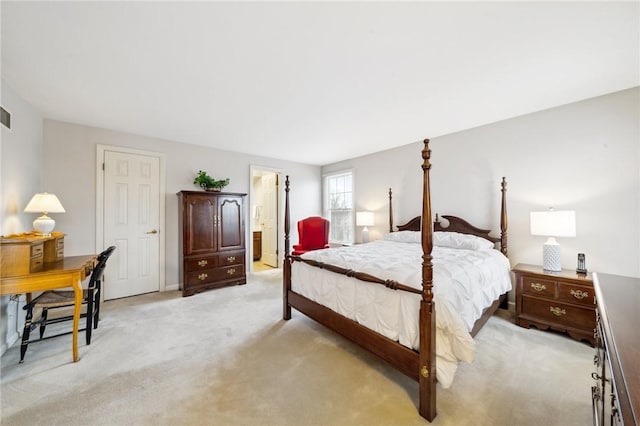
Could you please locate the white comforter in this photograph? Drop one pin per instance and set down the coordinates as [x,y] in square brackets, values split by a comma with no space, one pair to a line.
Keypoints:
[465,282]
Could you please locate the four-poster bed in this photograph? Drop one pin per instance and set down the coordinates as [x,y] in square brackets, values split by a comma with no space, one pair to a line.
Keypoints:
[414,351]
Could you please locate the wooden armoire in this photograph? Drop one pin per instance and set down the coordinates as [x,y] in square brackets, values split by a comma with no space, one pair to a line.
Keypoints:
[212,240]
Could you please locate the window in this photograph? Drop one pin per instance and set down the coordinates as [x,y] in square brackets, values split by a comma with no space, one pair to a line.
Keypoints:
[338,206]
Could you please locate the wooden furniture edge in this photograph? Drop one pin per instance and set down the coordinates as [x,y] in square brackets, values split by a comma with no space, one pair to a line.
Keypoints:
[629,413]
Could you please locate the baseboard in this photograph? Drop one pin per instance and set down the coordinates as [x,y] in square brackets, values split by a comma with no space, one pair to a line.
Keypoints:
[173,287]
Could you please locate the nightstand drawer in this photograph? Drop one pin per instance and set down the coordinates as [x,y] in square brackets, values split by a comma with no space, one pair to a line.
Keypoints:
[576,294]
[538,287]
[560,313]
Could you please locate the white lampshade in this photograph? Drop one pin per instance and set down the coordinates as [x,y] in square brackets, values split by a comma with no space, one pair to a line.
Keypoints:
[44,203]
[553,224]
[364,219]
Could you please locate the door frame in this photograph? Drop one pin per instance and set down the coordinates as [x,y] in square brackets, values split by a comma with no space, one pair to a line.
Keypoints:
[253,169]
[100,150]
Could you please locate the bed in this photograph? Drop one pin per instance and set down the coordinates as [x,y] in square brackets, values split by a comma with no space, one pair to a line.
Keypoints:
[380,295]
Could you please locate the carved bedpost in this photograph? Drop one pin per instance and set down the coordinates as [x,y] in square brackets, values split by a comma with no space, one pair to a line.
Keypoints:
[286,267]
[503,218]
[427,373]
[390,212]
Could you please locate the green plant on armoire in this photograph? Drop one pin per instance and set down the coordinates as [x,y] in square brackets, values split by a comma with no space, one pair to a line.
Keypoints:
[208,183]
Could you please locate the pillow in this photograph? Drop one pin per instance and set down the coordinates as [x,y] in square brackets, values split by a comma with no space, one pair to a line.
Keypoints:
[404,237]
[460,241]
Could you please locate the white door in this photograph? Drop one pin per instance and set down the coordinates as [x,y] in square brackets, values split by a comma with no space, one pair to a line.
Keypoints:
[270,219]
[131,223]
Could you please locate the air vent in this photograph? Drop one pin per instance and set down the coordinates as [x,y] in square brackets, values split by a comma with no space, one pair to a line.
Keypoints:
[5,118]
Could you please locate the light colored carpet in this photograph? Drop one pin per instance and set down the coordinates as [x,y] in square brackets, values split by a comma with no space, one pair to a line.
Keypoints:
[225,357]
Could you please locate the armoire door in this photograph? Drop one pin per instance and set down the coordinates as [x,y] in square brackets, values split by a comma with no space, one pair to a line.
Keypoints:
[200,225]
[230,223]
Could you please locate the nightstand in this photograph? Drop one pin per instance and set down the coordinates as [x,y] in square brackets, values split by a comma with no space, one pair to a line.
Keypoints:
[563,301]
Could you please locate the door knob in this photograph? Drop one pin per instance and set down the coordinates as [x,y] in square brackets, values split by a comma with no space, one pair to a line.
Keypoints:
[155,231]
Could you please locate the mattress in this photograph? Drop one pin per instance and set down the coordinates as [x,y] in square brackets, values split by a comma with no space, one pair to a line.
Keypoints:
[468,275]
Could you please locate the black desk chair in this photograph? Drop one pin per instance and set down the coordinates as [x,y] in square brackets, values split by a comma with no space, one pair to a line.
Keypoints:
[55,299]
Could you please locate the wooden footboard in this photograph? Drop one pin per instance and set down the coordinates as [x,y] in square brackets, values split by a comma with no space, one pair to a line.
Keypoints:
[400,357]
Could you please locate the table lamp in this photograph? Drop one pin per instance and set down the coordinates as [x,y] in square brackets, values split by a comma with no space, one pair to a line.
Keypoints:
[553,224]
[44,203]
[364,219]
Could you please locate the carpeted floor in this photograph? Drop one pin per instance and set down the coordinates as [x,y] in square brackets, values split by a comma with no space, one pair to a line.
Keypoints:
[225,357]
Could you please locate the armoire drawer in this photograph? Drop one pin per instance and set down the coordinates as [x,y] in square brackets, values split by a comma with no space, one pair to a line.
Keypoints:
[231,258]
[201,263]
[216,274]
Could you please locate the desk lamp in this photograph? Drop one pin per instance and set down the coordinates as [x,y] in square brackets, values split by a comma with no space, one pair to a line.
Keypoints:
[44,203]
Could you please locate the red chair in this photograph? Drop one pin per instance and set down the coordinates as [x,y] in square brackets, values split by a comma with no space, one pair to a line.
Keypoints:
[313,234]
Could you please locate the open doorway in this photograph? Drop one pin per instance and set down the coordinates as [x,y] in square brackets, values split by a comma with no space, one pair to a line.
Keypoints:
[265,213]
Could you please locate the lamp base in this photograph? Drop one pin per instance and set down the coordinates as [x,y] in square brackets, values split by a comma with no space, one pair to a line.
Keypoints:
[551,260]
[44,225]
[365,235]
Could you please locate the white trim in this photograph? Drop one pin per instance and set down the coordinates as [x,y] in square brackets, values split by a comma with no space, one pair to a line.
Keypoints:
[353,199]
[100,150]
[280,234]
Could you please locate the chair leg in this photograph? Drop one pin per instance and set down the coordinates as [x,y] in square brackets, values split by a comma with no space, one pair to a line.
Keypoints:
[43,321]
[89,327]
[97,305]
[25,333]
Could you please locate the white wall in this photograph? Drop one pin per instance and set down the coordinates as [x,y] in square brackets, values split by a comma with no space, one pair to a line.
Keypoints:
[20,165]
[69,172]
[583,156]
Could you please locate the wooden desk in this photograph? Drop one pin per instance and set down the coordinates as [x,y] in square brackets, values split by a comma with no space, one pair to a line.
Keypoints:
[68,272]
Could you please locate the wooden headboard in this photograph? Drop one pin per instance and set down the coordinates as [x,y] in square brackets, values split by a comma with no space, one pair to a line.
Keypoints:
[460,225]
[457,224]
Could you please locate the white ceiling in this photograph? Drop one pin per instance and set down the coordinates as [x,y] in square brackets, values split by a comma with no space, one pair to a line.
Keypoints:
[312,82]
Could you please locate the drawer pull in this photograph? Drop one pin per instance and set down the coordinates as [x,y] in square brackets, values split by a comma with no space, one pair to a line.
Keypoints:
[557,311]
[597,377]
[538,286]
[231,259]
[202,263]
[579,294]
[202,276]
[614,407]
[231,271]
[595,393]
